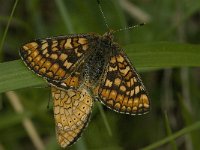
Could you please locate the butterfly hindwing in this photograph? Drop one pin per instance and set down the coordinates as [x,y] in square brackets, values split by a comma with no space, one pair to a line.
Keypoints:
[121,88]
[72,109]
[56,58]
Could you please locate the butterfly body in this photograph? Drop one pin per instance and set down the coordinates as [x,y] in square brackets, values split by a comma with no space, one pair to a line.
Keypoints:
[102,48]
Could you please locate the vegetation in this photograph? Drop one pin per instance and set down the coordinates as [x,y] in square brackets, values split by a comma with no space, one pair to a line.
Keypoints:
[166,52]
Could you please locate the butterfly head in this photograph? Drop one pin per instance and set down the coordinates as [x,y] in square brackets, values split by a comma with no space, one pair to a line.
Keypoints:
[107,38]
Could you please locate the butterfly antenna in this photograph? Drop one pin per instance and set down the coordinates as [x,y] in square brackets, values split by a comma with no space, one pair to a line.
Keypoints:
[104,18]
[129,28]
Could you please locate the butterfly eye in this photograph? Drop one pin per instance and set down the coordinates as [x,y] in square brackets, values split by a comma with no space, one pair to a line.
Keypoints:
[106,42]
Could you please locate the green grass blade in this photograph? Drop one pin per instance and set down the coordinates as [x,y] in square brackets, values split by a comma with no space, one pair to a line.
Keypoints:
[7,26]
[182,132]
[169,132]
[188,120]
[105,120]
[164,54]
[15,75]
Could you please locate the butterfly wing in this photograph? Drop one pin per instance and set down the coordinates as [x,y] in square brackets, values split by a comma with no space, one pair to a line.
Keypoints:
[56,58]
[121,88]
[72,109]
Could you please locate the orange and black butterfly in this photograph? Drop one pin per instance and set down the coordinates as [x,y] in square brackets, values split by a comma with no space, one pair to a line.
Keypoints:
[88,65]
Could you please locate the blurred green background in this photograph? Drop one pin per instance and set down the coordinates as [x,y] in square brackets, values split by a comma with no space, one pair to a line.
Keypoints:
[172,29]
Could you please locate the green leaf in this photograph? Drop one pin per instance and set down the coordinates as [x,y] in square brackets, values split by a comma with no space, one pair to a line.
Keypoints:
[164,55]
[15,75]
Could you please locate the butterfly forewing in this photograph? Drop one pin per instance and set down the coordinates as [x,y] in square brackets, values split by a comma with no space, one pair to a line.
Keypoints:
[121,88]
[56,58]
[72,109]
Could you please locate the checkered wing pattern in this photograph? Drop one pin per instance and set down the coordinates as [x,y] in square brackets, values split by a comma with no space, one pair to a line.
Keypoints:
[72,109]
[57,58]
[122,89]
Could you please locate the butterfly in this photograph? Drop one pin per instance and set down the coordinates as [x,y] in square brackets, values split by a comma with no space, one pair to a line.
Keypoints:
[89,65]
